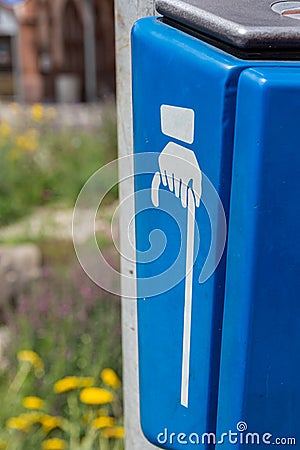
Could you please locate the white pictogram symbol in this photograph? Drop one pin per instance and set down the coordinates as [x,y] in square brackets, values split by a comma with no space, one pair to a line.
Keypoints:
[180,171]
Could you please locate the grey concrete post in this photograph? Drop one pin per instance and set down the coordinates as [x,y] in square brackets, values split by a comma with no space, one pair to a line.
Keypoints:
[126,13]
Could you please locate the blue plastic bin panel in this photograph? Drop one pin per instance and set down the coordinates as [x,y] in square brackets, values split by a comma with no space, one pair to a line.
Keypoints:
[232,112]
[260,357]
[173,69]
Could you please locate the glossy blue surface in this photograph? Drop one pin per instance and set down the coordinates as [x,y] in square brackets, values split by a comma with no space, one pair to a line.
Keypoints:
[260,365]
[238,116]
[194,75]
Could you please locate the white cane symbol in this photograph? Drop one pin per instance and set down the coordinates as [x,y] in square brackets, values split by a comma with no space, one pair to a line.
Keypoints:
[179,169]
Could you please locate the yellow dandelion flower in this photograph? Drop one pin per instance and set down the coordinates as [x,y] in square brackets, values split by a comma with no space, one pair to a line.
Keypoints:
[110,378]
[54,444]
[33,403]
[66,384]
[114,432]
[103,422]
[37,112]
[5,129]
[32,358]
[18,423]
[49,423]
[96,396]
[69,383]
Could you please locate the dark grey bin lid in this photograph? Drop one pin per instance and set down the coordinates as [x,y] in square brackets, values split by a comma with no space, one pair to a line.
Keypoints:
[246,24]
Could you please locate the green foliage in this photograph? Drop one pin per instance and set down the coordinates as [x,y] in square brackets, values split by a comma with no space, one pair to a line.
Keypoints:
[42,161]
[65,324]
[67,327]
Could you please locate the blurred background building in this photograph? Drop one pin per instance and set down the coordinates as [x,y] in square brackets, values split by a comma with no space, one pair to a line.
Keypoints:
[56,50]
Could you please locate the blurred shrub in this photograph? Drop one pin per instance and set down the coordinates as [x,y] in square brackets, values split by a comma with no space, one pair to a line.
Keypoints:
[60,384]
[43,161]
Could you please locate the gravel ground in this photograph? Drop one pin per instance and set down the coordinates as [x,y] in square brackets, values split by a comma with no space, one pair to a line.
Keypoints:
[51,222]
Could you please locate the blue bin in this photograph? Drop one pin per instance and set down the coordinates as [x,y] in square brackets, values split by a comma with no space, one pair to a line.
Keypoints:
[216,103]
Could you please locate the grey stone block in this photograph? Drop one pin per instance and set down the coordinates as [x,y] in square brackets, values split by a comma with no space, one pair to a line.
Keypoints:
[19,266]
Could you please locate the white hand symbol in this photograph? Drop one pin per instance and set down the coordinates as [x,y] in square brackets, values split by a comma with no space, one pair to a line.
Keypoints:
[179,167]
[180,171]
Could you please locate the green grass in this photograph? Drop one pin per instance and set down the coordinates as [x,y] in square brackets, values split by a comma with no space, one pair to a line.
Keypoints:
[43,163]
[74,327]
[72,324]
